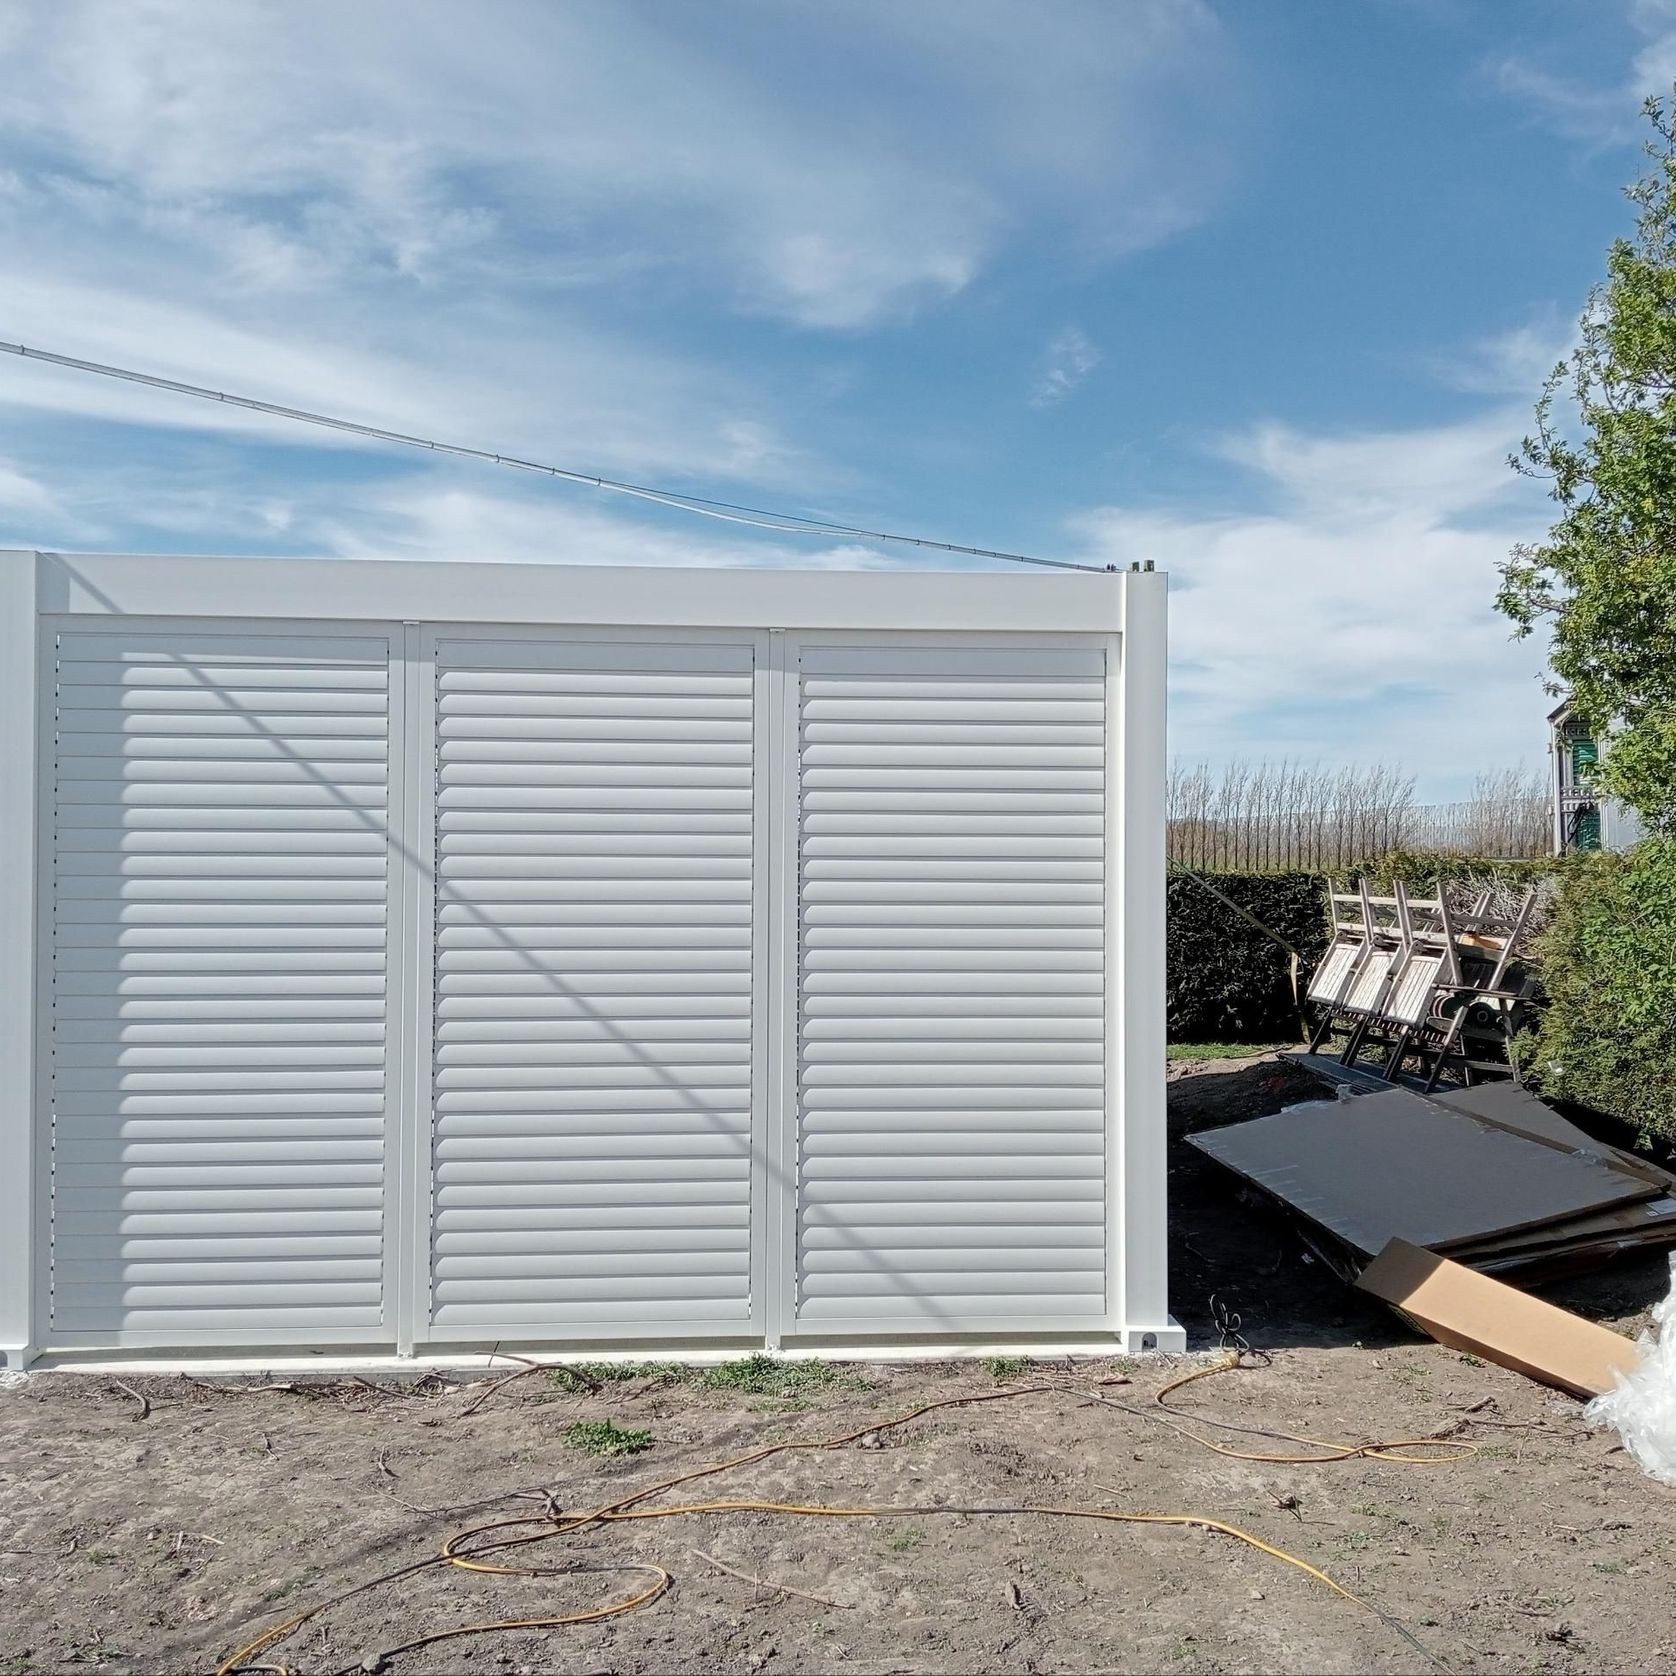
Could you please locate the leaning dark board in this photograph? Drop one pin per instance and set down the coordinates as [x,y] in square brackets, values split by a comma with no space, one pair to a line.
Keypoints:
[1398,1166]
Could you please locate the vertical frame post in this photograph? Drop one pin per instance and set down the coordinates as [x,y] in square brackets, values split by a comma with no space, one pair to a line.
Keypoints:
[22,1239]
[777,788]
[417,1115]
[1137,769]
[407,1028]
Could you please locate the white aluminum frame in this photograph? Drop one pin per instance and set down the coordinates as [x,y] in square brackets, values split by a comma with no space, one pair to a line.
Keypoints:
[418,602]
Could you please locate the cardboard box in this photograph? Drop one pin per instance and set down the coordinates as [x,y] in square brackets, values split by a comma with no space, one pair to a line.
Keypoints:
[1469,1311]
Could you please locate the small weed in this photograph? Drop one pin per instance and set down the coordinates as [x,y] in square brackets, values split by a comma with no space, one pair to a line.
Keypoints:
[1494,1452]
[904,1540]
[1471,1360]
[1612,1568]
[1005,1367]
[98,1556]
[759,1375]
[1353,1542]
[606,1437]
[581,1377]
[308,1576]
[1411,1374]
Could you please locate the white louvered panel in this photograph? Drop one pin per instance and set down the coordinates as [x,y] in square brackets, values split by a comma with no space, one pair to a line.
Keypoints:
[952,1122]
[592,1085]
[219,891]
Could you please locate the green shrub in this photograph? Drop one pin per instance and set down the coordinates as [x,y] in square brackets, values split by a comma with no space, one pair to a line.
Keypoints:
[1227,981]
[1608,961]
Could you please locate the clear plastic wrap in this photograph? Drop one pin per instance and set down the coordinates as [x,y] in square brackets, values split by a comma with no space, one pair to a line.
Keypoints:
[1643,1406]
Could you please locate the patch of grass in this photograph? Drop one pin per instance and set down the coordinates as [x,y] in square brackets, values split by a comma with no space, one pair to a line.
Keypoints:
[1185,1052]
[760,1375]
[606,1437]
[587,1376]
[1005,1367]
[903,1540]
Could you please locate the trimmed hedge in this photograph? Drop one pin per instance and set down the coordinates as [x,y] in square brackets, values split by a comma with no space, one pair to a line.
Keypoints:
[1227,981]
[1423,874]
[1608,957]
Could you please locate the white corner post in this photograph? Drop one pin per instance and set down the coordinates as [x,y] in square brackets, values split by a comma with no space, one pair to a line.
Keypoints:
[1138,1007]
[18,1019]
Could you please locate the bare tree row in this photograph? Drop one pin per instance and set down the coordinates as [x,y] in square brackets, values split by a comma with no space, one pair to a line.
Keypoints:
[1274,816]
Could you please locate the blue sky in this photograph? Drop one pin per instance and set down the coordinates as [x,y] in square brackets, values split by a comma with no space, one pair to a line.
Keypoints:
[1261,292]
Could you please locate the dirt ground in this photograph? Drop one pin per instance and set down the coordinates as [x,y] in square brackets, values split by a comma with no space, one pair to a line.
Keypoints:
[162,1541]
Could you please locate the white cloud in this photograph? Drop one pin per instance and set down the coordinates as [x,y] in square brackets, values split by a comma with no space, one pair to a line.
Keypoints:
[1425,474]
[1516,362]
[436,517]
[573,397]
[1608,115]
[19,492]
[1349,616]
[1071,356]
[831,167]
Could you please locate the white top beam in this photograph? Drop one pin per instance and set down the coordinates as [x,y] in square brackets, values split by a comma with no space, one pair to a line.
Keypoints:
[1037,602]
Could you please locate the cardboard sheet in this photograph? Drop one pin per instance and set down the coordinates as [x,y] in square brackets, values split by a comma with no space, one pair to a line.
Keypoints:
[1648,1220]
[1394,1165]
[1469,1311]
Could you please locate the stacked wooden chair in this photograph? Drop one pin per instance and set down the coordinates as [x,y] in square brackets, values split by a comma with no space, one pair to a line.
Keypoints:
[1421,981]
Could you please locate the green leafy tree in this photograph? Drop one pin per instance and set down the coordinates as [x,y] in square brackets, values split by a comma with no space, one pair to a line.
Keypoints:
[1605,577]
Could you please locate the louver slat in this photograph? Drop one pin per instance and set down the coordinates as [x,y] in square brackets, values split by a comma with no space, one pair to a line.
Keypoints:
[951,1157]
[219,892]
[593,1061]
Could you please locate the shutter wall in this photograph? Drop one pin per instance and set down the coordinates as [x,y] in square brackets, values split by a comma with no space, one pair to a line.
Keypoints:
[951,1147]
[593,1078]
[217,1060]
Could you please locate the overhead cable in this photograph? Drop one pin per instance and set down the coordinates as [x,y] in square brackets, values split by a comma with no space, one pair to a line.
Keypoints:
[788,523]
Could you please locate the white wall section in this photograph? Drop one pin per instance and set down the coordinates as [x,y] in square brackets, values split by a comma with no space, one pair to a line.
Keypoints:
[952,1168]
[218,908]
[698,959]
[593,1080]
